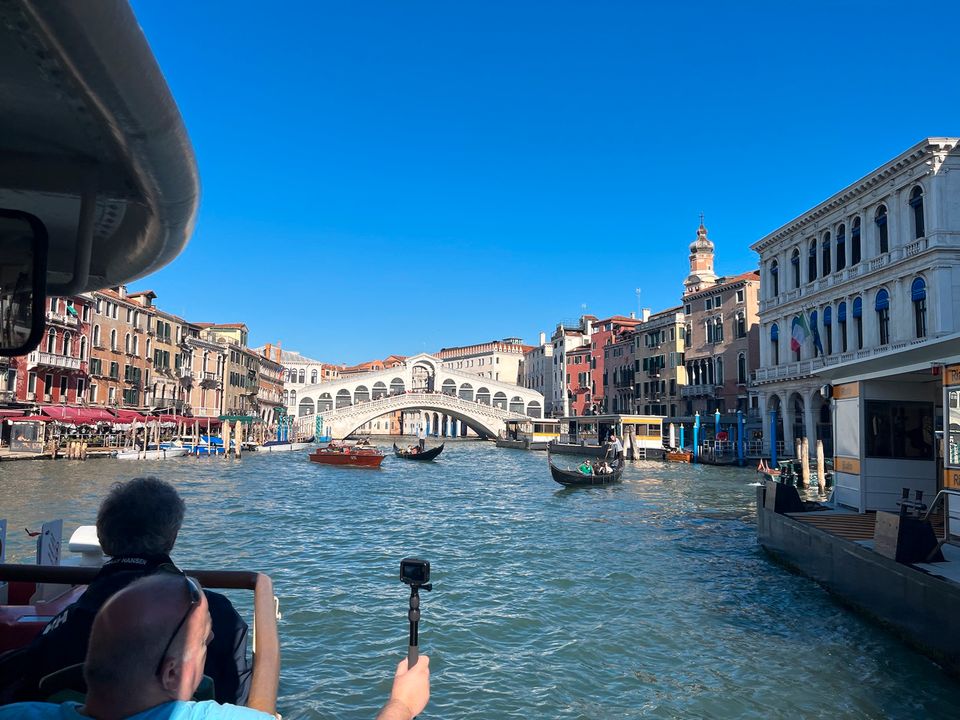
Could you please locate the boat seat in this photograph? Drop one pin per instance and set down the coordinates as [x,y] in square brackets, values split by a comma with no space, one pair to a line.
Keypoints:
[69,684]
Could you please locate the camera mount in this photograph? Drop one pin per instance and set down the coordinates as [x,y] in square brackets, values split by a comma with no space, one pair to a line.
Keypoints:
[413,649]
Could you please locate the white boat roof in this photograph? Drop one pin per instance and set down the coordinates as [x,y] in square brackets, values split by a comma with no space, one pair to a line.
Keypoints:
[88,115]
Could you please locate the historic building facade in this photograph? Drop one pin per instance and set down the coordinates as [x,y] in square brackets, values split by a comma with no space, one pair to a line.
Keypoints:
[720,335]
[538,371]
[859,304]
[119,368]
[660,370]
[500,360]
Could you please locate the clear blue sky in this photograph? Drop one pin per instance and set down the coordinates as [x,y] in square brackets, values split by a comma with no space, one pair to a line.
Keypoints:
[394,177]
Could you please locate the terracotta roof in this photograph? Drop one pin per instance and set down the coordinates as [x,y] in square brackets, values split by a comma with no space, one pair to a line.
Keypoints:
[151,293]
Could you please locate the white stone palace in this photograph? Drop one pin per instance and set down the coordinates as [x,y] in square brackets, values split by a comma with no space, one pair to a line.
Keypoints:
[859,307]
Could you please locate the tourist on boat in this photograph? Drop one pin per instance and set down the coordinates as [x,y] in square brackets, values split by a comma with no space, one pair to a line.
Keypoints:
[137,525]
[145,660]
[586,468]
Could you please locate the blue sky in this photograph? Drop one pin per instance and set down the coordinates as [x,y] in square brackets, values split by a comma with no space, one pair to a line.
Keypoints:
[395,177]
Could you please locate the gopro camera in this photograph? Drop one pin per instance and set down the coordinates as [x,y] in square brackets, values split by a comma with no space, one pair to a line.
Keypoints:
[415,572]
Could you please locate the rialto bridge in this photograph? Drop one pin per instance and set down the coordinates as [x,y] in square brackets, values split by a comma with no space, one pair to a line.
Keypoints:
[450,401]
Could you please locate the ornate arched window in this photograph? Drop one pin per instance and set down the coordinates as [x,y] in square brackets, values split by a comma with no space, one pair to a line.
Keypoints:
[67,344]
[841,247]
[52,341]
[916,202]
[882,306]
[828,330]
[774,279]
[842,325]
[303,376]
[313,376]
[113,339]
[775,344]
[858,321]
[825,254]
[918,295]
[855,248]
[883,238]
[795,267]
[742,369]
[812,261]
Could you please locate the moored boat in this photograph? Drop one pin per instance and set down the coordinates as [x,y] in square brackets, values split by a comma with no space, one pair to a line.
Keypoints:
[162,453]
[422,455]
[284,446]
[368,457]
[677,456]
[575,478]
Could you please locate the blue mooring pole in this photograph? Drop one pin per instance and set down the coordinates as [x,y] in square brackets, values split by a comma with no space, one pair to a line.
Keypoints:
[740,437]
[696,436]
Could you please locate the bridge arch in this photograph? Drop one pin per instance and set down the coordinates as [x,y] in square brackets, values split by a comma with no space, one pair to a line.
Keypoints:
[379,390]
[306,407]
[466,391]
[397,387]
[449,387]
[483,396]
[343,398]
[324,402]
[361,394]
[534,409]
[516,405]
[500,400]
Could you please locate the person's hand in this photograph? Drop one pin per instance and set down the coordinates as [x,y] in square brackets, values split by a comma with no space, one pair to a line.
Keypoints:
[410,693]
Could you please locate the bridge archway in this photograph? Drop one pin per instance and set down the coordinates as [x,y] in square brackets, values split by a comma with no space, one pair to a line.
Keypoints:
[324,402]
[483,396]
[449,387]
[534,410]
[306,407]
[379,390]
[362,394]
[516,405]
[466,391]
[500,400]
[397,387]
[343,398]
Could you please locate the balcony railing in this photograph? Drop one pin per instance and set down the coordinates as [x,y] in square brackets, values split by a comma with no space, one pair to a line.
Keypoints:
[61,319]
[186,374]
[56,361]
[709,390]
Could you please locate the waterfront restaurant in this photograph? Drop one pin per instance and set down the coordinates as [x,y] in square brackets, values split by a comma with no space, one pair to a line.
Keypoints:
[859,315]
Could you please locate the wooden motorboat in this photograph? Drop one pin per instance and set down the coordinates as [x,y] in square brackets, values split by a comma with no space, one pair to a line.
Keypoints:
[575,478]
[368,457]
[677,456]
[422,455]
[770,473]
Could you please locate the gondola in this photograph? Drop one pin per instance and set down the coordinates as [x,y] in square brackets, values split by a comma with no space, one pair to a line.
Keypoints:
[424,455]
[575,478]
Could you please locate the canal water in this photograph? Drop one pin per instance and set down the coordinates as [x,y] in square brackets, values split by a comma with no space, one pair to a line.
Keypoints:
[646,599]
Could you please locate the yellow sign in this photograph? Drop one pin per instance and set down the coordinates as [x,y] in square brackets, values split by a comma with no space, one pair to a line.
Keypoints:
[848,465]
[951,375]
[951,478]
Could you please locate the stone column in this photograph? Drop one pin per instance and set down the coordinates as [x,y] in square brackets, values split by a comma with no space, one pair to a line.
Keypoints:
[810,422]
[787,418]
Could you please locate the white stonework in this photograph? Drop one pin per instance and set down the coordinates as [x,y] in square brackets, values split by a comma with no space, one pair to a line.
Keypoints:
[879,263]
[420,377]
[538,371]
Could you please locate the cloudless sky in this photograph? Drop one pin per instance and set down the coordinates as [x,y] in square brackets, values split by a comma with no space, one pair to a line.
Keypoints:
[397,177]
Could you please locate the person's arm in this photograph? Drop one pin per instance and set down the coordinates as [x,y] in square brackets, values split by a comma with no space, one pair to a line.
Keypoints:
[410,692]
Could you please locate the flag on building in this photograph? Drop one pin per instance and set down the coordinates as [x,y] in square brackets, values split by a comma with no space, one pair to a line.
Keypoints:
[816,332]
[799,332]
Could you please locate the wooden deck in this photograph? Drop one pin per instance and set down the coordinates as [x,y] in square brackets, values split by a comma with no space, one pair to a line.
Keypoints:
[852,526]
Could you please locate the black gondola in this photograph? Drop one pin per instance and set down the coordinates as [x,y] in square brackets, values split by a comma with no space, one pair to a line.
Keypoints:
[424,455]
[571,478]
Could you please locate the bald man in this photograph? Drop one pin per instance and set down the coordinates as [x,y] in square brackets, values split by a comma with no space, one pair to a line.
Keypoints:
[146,655]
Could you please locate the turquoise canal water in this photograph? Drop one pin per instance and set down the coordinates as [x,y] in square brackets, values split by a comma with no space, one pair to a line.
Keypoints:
[646,599]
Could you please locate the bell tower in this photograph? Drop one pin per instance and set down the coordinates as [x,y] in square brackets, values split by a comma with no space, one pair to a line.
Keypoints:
[701,262]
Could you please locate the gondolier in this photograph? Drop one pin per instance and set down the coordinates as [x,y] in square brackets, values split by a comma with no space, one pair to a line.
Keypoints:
[421,437]
[614,447]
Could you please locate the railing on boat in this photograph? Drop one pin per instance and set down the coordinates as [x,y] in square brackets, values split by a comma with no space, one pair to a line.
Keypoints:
[943,497]
[265,680]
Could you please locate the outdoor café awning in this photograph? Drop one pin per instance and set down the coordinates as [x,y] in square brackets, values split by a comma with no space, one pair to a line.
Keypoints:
[76,415]
[126,417]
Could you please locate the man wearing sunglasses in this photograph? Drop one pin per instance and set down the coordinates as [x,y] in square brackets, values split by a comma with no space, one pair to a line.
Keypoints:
[137,524]
[146,656]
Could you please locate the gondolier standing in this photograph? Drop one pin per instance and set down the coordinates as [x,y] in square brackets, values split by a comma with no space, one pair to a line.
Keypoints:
[421,437]
[614,447]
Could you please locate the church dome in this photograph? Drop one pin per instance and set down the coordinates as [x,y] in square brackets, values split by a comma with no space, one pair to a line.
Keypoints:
[702,243]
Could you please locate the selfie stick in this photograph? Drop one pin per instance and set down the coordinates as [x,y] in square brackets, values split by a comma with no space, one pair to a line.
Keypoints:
[413,649]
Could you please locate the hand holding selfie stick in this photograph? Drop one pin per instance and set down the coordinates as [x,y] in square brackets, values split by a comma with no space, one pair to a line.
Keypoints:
[416,574]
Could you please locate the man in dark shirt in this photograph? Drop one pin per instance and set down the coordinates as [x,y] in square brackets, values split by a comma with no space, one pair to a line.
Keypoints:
[137,525]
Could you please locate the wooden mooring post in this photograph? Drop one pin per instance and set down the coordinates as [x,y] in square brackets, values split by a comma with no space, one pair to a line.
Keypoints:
[821,470]
[805,461]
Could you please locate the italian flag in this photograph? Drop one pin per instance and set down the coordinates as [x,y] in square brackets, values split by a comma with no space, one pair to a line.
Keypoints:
[799,332]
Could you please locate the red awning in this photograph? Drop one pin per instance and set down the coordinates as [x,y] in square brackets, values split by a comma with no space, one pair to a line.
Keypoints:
[126,417]
[30,418]
[10,413]
[76,415]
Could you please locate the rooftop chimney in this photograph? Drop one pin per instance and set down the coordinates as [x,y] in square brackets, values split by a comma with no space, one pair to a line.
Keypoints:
[543,338]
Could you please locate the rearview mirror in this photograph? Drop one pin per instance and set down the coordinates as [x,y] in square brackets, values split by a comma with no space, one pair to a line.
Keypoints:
[23,281]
